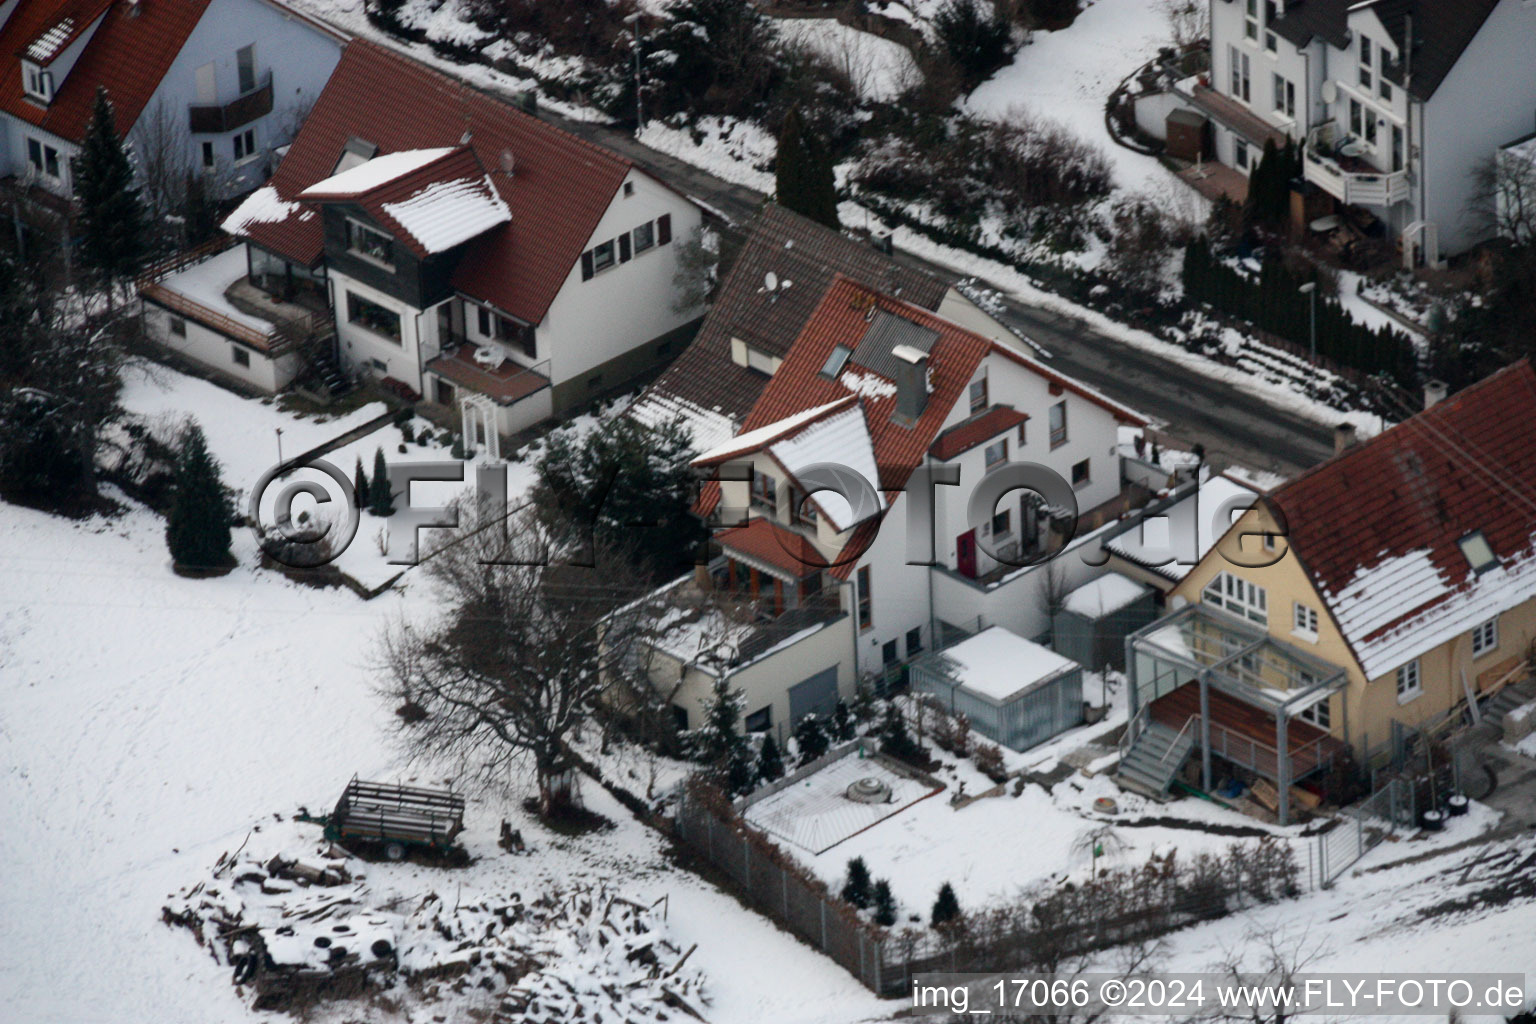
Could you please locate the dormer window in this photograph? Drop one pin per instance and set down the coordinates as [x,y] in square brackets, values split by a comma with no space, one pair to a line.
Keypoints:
[37,82]
[1478,553]
[370,243]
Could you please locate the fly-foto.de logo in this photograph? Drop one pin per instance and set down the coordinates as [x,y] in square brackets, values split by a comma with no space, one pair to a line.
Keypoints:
[307,515]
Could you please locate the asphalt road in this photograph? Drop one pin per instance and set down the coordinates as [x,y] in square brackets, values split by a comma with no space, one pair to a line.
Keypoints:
[1233,426]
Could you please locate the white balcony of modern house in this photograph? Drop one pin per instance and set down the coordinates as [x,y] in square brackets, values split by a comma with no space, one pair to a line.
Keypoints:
[1335,162]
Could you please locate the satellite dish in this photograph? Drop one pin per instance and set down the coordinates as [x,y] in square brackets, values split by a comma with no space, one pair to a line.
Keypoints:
[1330,91]
[771,281]
[784,285]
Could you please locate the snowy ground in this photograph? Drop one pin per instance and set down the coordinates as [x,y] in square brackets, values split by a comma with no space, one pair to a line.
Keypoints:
[878,68]
[150,721]
[815,813]
[1068,75]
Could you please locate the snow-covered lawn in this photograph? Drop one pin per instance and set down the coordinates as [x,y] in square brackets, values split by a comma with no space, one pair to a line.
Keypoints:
[150,722]
[1068,75]
[878,68]
[815,813]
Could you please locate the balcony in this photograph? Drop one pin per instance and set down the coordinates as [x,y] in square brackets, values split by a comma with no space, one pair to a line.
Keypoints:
[237,113]
[1334,165]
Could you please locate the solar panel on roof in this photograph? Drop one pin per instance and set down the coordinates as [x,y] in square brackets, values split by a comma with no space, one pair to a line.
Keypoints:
[885,333]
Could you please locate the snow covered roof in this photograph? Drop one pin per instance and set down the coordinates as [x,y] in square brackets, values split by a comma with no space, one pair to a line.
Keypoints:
[1109,593]
[264,206]
[841,439]
[449,213]
[1000,665]
[752,440]
[370,174]
[1379,528]
[709,428]
[793,248]
[431,199]
[1170,538]
[555,186]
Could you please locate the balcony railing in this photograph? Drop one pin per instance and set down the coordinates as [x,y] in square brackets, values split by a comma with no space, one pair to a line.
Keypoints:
[237,113]
[1347,178]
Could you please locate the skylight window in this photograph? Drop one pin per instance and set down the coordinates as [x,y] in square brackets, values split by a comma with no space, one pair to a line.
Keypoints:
[836,361]
[1474,546]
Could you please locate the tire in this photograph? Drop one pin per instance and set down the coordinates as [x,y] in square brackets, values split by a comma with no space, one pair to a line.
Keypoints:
[394,851]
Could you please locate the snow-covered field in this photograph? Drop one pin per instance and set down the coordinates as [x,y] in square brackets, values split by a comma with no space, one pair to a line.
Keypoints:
[878,68]
[149,722]
[1068,75]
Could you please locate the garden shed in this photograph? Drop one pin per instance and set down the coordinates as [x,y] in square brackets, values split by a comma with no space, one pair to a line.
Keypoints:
[1095,619]
[1014,692]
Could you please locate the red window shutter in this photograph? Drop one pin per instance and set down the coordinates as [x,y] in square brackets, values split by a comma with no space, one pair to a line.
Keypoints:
[664,229]
[586,265]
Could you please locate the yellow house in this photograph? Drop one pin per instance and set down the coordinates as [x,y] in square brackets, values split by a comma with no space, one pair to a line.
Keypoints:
[1379,593]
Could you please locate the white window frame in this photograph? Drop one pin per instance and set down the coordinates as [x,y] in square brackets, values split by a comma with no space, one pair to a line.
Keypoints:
[1241,597]
[1485,637]
[1304,621]
[36,82]
[244,146]
[1319,714]
[1410,682]
[995,453]
[1251,20]
[355,227]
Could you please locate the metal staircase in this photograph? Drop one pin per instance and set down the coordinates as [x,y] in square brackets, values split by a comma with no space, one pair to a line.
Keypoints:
[1151,754]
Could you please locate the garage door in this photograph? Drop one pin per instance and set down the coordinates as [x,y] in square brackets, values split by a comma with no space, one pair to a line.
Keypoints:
[818,694]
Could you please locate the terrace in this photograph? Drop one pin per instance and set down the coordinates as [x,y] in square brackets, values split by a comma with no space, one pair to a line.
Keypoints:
[1334,162]
[1232,690]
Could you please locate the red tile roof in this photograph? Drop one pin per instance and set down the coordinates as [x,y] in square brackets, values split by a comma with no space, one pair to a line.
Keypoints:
[129,55]
[968,435]
[763,540]
[1406,498]
[558,187]
[842,317]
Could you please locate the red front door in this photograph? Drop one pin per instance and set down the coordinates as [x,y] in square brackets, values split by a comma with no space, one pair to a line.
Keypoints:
[965,557]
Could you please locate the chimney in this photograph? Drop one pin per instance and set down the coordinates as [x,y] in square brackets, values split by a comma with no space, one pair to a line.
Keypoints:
[911,382]
[1434,392]
[1344,438]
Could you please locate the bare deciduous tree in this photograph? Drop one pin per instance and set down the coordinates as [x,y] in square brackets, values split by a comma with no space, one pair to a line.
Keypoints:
[501,682]
[1277,956]
[1189,21]
[1504,196]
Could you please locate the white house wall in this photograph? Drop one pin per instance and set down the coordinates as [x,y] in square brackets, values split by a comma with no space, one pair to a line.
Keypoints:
[1486,100]
[619,309]
[359,347]
[767,681]
[209,348]
[300,56]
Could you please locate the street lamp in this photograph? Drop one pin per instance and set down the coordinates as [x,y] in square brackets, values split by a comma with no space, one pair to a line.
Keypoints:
[633,21]
[1310,291]
[279,445]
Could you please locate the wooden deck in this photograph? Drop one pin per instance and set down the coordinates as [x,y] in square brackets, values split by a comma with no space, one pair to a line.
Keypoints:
[1245,734]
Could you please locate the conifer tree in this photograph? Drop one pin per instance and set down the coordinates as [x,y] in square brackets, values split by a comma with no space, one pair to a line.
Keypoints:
[360,490]
[856,890]
[716,743]
[111,213]
[946,908]
[885,904]
[843,725]
[380,501]
[197,527]
[811,738]
[804,180]
[741,775]
[770,761]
